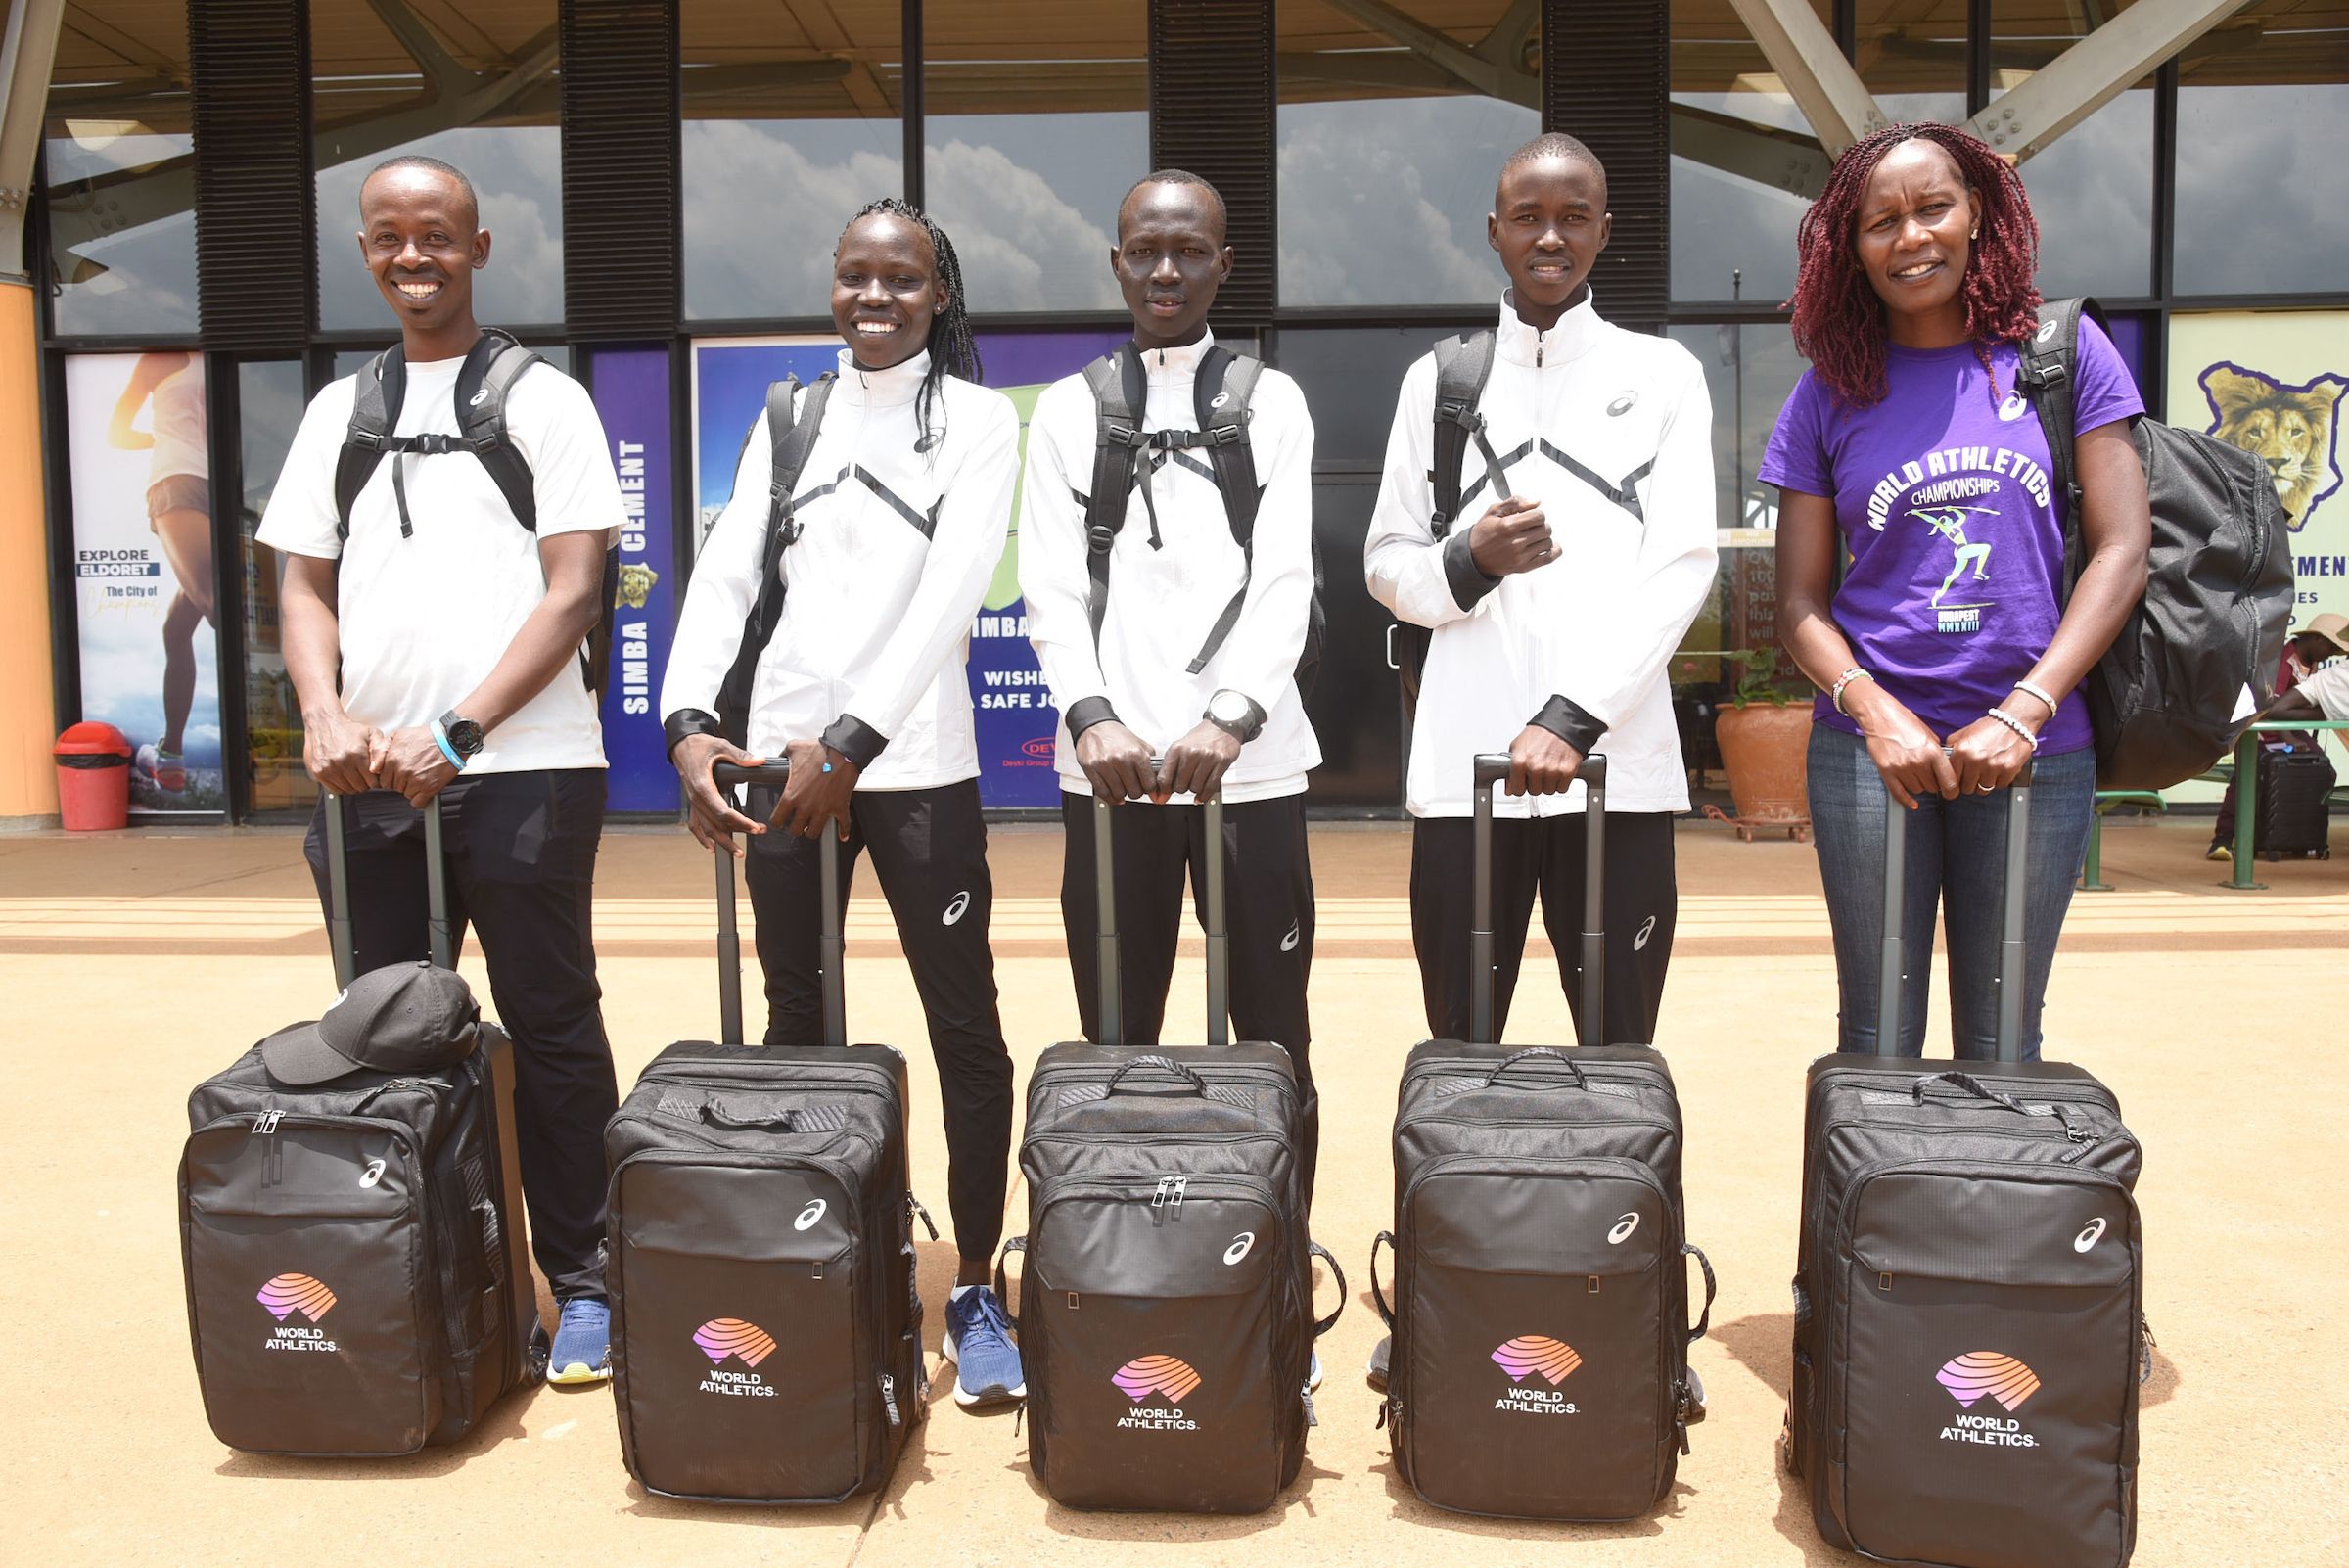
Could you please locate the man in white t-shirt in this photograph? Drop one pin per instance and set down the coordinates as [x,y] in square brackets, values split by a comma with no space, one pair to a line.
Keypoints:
[434,641]
[2323,689]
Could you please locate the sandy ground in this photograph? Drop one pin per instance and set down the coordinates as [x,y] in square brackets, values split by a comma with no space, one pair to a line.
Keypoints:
[136,965]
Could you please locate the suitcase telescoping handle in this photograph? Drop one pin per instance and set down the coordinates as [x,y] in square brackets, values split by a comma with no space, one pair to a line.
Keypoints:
[1112,1029]
[1492,772]
[338,891]
[831,948]
[1893,966]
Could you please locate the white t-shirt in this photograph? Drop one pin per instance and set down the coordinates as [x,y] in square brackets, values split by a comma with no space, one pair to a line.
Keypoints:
[2328,686]
[179,426]
[427,617]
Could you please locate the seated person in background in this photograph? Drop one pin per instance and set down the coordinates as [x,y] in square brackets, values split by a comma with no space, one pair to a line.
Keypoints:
[2306,687]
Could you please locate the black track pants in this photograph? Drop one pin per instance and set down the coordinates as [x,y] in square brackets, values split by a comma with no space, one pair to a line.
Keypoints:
[1268,905]
[522,871]
[1545,856]
[928,848]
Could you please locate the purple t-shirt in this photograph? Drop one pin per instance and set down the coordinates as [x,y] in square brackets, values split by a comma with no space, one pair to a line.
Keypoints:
[1945,497]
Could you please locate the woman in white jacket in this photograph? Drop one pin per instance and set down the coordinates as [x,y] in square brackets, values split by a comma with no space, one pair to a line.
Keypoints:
[899,516]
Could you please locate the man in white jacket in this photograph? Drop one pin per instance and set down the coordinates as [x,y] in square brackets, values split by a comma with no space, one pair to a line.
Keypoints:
[899,512]
[1155,678]
[1555,611]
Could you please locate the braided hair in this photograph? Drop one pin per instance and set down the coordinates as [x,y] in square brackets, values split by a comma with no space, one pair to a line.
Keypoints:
[1838,320]
[954,350]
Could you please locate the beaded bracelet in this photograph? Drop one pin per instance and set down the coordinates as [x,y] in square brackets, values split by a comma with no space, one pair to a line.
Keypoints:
[1845,679]
[2029,690]
[2017,725]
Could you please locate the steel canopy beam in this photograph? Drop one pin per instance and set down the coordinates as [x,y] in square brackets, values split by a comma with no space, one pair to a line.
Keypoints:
[27,52]
[1822,82]
[2101,67]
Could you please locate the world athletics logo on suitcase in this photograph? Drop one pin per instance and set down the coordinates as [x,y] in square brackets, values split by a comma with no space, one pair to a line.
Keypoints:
[747,1343]
[1988,1373]
[1165,1375]
[1535,1355]
[288,1294]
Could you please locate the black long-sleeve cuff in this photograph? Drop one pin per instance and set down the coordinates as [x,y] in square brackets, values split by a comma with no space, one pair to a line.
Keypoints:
[1083,715]
[688,721]
[1465,578]
[856,740]
[1570,725]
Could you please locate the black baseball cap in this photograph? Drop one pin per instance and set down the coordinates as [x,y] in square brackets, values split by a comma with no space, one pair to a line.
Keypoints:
[403,1018]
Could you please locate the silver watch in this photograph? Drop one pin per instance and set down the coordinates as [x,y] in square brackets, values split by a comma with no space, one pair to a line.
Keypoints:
[1236,714]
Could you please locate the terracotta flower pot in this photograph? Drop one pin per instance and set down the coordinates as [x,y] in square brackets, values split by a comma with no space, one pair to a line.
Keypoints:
[1765,748]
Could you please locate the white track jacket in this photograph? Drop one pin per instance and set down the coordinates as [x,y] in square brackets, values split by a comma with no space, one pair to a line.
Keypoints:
[1582,642]
[895,558]
[1167,583]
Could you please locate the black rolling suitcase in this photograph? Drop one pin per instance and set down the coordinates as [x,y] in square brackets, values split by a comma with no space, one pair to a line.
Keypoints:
[1540,1316]
[1968,1339]
[1166,1302]
[766,1321]
[2294,821]
[357,1275]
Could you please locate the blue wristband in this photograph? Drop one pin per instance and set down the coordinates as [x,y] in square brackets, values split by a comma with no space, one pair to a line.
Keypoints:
[440,738]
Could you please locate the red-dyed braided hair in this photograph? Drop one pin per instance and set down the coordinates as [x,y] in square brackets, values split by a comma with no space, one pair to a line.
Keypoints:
[1838,320]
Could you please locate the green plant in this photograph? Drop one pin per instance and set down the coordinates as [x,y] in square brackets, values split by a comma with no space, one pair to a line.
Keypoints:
[1762,678]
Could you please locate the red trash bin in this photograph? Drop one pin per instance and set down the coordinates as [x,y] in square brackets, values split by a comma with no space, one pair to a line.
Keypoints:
[93,777]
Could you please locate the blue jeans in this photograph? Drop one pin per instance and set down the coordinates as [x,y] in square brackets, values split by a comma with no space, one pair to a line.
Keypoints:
[1956,859]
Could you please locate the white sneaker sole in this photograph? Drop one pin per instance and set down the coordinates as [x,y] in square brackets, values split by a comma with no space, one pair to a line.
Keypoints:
[965,1397]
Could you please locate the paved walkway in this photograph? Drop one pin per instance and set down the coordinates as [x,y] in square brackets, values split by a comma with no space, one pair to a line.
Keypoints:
[134,964]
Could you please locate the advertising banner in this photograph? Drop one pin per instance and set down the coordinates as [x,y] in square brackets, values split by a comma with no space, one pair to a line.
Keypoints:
[1015,723]
[632,398]
[144,578]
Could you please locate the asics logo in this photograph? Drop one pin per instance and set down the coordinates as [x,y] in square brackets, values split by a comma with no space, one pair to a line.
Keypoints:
[2014,407]
[375,1173]
[478,398]
[1622,1232]
[1218,400]
[954,911]
[2089,1234]
[2047,329]
[1622,405]
[808,1215]
[1288,944]
[1238,1248]
[1640,941]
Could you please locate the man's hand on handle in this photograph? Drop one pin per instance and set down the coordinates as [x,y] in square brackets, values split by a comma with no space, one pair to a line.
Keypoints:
[1541,763]
[710,813]
[820,790]
[1196,765]
[339,751]
[1116,762]
[411,761]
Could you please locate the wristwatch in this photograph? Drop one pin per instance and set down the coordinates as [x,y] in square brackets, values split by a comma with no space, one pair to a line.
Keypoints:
[464,736]
[1235,715]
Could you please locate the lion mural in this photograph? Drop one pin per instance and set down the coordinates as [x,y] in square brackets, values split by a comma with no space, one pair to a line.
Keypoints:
[2290,429]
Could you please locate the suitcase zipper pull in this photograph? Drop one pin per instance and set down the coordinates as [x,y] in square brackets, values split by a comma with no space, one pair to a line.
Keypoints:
[1180,1183]
[889,1399]
[1019,1413]
[264,1126]
[1158,1195]
[913,1205]
[266,1122]
[1310,1419]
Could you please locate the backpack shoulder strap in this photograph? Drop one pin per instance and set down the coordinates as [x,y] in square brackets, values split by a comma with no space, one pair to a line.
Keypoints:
[1463,364]
[791,433]
[1220,391]
[2050,359]
[1121,390]
[382,384]
[494,362]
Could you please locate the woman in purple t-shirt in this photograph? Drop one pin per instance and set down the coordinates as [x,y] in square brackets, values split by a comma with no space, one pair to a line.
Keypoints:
[1947,655]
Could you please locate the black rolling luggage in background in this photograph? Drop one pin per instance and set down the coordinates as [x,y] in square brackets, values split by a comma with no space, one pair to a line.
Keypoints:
[1541,1313]
[2294,818]
[1968,1338]
[766,1324]
[1165,1301]
[358,1274]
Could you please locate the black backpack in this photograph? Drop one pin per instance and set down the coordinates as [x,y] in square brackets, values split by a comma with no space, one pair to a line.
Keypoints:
[493,365]
[792,426]
[766,1325]
[1463,364]
[2197,657]
[357,1278]
[1539,1367]
[1221,392]
[1165,1305]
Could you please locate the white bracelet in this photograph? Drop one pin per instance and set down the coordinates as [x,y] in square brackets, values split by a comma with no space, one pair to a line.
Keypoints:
[1845,679]
[2029,690]
[2017,725]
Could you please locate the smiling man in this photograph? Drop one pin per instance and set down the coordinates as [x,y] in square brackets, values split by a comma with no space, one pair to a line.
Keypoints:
[433,634]
[1164,634]
[1586,473]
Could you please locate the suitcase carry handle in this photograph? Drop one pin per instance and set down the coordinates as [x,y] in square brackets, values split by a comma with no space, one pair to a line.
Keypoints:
[1704,1319]
[717,1116]
[1322,1325]
[339,939]
[1491,769]
[1971,1084]
[1198,1085]
[1011,1244]
[1892,965]
[1582,1079]
[1111,1027]
[1378,1297]
[831,948]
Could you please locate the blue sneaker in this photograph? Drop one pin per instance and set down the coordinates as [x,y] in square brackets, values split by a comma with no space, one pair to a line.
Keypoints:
[582,1352]
[979,1343]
